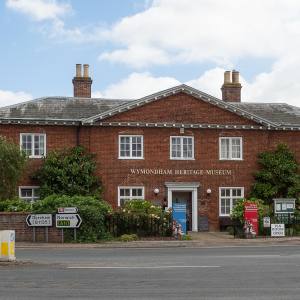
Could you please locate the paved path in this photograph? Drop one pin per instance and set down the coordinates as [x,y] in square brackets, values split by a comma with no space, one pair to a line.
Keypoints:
[201,240]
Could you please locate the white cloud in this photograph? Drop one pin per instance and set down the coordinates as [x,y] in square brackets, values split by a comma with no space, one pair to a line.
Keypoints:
[40,9]
[176,31]
[10,98]
[137,85]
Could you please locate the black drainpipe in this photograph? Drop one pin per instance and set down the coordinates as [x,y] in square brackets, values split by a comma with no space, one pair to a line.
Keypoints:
[78,133]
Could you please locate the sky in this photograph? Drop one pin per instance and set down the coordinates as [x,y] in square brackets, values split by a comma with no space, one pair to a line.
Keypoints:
[138,47]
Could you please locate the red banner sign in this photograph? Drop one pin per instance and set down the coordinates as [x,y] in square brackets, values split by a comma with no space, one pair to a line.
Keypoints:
[250,220]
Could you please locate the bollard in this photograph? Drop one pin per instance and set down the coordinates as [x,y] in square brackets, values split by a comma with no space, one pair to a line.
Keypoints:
[7,252]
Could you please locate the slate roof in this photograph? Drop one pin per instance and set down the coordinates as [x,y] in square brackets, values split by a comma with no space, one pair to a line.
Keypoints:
[93,109]
[59,108]
[279,113]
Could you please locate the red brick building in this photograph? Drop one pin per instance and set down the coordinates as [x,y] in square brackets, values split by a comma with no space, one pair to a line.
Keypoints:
[178,145]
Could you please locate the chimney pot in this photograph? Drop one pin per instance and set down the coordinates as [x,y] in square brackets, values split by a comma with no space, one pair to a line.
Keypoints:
[227,77]
[78,70]
[82,85]
[235,76]
[86,71]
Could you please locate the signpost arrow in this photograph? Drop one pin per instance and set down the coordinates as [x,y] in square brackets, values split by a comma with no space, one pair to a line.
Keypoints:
[28,220]
[79,221]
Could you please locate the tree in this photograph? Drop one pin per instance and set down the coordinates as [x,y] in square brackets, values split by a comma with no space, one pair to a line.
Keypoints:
[13,166]
[279,175]
[68,173]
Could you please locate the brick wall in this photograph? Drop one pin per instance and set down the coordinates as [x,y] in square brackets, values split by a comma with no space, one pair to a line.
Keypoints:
[17,221]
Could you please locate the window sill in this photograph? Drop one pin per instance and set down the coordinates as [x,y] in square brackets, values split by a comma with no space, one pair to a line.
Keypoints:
[182,159]
[235,159]
[132,158]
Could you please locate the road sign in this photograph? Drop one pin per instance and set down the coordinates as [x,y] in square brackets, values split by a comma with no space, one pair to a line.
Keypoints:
[68,221]
[67,210]
[39,220]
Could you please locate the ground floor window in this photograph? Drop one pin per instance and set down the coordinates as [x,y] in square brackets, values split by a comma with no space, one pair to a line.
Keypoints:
[29,193]
[228,198]
[130,193]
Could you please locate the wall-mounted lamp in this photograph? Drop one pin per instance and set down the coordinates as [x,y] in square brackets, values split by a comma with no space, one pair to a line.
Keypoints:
[156,191]
[208,192]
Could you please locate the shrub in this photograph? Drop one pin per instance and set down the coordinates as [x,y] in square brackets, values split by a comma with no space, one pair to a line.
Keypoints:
[230,230]
[16,204]
[129,237]
[186,238]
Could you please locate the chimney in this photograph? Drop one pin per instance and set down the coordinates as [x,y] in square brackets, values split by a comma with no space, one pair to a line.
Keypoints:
[82,85]
[231,91]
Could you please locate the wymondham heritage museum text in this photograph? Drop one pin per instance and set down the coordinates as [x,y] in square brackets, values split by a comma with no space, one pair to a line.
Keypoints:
[179,172]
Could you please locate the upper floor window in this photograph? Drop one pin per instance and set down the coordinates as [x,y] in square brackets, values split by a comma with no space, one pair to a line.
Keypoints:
[29,193]
[131,146]
[34,144]
[130,193]
[231,148]
[181,147]
[228,198]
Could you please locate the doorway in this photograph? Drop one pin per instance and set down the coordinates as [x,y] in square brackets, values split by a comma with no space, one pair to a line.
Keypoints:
[184,197]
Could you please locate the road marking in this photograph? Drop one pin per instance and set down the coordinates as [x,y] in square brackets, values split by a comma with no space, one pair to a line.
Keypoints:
[162,267]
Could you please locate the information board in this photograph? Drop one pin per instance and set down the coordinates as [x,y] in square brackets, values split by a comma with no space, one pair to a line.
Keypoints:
[203,223]
[179,219]
[250,226]
[277,230]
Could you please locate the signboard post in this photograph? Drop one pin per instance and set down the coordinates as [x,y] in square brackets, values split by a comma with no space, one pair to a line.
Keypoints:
[179,219]
[67,221]
[250,225]
[39,220]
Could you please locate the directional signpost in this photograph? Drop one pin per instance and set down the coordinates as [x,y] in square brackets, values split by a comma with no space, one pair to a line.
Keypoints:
[39,220]
[68,221]
[64,220]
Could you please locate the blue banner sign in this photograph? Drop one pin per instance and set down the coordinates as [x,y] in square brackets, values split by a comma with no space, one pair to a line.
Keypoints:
[179,219]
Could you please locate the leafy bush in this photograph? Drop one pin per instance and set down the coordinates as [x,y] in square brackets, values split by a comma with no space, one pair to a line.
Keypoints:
[16,204]
[230,230]
[186,237]
[13,166]
[129,237]
[154,220]
[279,175]
[92,212]
[69,172]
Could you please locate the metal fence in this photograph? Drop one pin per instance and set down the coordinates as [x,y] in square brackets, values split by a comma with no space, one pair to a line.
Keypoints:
[292,225]
[143,226]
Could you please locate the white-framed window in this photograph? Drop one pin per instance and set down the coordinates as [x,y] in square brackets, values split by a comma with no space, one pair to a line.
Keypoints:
[130,193]
[131,147]
[231,148]
[181,147]
[228,198]
[28,193]
[34,144]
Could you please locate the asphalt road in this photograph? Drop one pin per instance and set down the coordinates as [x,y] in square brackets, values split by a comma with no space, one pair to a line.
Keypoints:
[178,273]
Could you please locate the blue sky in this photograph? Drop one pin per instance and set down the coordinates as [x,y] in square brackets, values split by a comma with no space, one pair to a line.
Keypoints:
[138,47]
